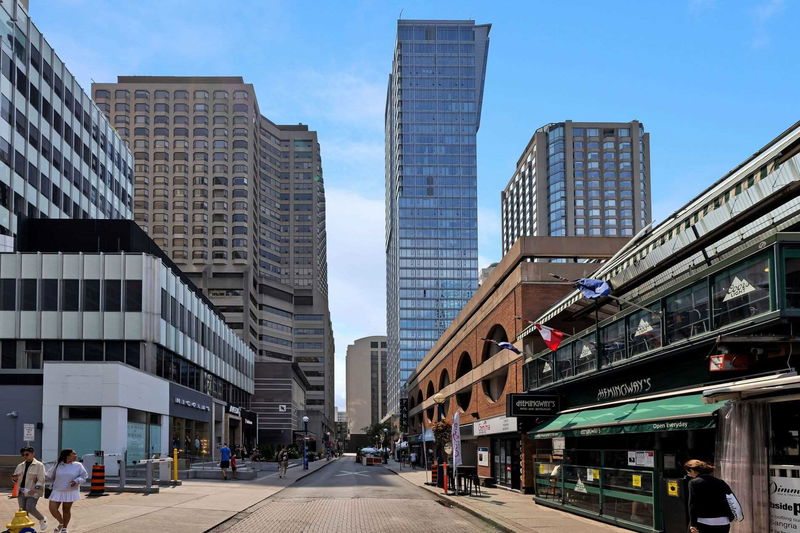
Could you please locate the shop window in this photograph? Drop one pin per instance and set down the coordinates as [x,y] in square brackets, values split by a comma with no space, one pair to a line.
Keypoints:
[687,313]
[584,354]
[80,429]
[644,331]
[564,362]
[742,292]
[543,370]
[785,437]
[792,279]
[612,339]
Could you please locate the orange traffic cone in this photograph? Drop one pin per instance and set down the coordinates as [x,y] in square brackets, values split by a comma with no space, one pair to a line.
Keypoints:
[15,490]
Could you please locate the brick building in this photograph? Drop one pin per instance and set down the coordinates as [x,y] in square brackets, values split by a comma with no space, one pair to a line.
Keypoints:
[474,375]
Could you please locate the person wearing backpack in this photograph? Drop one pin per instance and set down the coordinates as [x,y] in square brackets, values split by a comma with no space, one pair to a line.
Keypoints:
[712,504]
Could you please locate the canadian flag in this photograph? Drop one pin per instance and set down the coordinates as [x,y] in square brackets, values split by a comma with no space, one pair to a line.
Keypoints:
[551,337]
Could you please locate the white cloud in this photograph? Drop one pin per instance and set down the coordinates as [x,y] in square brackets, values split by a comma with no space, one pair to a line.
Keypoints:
[356,272]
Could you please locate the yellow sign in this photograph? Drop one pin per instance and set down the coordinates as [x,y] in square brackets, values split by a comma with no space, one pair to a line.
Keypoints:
[636,480]
[672,488]
[595,474]
[542,469]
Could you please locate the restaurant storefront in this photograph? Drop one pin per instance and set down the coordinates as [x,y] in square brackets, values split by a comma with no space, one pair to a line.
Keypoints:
[500,435]
[703,372]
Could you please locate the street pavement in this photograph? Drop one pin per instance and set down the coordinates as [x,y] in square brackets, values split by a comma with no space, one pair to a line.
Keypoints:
[507,509]
[350,497]
[194,507]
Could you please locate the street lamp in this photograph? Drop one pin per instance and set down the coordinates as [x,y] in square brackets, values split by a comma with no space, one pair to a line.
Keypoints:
[305,443]
[385,453]
[439,400]
[327,445]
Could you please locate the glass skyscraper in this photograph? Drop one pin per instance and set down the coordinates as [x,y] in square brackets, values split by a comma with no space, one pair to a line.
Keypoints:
[433,110]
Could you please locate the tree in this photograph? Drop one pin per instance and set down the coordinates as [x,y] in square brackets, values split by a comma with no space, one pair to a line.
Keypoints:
[375,433]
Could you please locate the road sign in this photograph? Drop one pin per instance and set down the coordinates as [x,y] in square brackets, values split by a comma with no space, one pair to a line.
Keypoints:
[28,432]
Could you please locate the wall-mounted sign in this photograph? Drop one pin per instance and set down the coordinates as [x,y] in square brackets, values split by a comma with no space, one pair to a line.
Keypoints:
[631,388]
[532,405]
[498,424]
[559,443]
[483,456]
[192,404]
[282,408]
[234,410]
[28,432]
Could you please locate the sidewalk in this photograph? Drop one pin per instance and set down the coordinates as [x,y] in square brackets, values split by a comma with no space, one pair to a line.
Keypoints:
[193,507]
[509,510]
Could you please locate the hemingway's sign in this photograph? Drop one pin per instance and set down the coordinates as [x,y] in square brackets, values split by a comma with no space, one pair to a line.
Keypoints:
[532,405]
[637,386]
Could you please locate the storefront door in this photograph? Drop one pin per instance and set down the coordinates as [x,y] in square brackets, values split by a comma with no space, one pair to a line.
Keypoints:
[506,462]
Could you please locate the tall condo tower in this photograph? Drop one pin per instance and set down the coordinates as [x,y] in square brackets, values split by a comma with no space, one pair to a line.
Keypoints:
[238,203]
[433,110]
[579,178]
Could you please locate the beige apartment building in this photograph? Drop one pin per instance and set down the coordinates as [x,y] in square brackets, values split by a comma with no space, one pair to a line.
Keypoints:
[366,387]
[238,203]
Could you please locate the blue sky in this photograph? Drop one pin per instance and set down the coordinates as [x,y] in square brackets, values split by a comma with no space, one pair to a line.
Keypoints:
[712,82]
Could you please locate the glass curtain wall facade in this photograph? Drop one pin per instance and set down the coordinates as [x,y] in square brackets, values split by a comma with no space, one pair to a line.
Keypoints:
[432,118]
[59,157]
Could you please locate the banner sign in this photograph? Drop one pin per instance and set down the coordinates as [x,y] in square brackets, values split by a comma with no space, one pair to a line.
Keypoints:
[532,405]
[404,415]
[784,502]
[455,437]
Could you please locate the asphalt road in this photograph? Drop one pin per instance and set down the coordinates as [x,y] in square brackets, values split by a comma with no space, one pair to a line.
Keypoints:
[348,497]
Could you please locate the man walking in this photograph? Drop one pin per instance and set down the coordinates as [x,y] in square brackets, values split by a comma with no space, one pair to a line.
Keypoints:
[283,462]
[224,460]
[30,475]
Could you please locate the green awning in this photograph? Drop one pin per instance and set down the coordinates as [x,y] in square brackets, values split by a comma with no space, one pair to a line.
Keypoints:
[678,413]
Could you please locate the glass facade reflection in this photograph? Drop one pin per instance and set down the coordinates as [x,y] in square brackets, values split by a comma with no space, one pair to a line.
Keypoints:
[432,118]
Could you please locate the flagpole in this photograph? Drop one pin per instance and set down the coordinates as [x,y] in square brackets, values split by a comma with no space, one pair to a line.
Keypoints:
[616,298]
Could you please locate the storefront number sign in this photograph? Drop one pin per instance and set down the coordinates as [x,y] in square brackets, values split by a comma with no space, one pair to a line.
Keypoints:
[784,504]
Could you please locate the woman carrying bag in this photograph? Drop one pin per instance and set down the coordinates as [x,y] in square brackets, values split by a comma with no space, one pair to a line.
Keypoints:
[712,504]
[66,477]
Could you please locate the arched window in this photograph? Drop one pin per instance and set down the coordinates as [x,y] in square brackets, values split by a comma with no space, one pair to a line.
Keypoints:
[497,334]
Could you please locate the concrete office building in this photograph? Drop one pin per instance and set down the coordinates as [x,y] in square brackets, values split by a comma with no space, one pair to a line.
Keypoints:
[59,157]
[433,110]
[106,345]
[366,385]
[238,202]
[579,179]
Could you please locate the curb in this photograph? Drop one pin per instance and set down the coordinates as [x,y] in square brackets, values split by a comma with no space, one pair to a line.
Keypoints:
[232,518]
[455,503]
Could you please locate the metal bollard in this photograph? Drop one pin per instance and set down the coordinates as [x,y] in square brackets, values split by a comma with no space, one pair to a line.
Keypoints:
[148,477]
[123,472]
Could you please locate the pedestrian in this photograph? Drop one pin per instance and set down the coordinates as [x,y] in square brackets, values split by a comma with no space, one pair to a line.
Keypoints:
[224,460]
[197,444]
[30,476]
[414,460]
[187,445]
[283,462]
[709,510]
[66,476]
[233,465]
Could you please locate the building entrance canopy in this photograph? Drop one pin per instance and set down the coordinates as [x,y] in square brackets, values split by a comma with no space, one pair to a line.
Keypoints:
[678,413]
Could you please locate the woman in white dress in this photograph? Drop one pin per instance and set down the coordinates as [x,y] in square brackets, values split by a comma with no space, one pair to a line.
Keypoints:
[66,476]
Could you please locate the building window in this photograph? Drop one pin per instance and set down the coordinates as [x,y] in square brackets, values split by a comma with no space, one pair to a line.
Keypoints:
[687,313]
[8,294]
[133,295]
[28,295]
[91,295]
[70,294]
[612,339]
[644,331]
[742,291]
[49,295]
[112,297]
